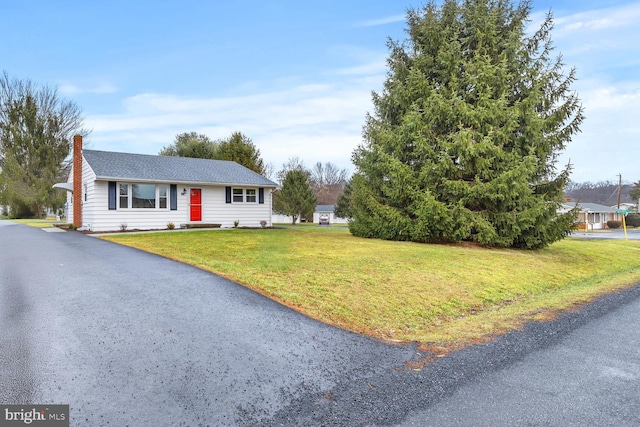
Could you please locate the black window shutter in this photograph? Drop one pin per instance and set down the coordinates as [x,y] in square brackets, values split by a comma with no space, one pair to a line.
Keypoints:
[228,193]
[112,195]
[261,195]
[173,195]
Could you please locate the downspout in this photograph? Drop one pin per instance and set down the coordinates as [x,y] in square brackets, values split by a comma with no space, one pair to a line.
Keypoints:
[77,181]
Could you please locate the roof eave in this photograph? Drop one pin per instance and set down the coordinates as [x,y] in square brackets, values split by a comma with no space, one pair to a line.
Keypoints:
[162,181]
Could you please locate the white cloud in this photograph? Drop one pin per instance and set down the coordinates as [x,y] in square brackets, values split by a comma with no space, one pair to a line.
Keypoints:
[382,21]
[70,89]
[600,19]
[375,68]
[602,45]
[607,144]
[316,121]
[366,62]
[619,98]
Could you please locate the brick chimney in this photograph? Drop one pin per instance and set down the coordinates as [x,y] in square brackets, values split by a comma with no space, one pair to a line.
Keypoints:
[77,180]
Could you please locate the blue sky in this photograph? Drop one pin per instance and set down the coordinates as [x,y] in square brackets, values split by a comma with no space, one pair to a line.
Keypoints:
[296,77]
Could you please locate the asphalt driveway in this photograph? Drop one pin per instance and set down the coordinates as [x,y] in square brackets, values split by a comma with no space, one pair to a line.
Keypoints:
[135,339]
[129,338]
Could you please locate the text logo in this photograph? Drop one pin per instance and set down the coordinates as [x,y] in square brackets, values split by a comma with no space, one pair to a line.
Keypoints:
[36,415]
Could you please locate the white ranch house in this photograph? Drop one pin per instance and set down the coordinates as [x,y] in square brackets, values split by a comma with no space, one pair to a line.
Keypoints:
[110,190]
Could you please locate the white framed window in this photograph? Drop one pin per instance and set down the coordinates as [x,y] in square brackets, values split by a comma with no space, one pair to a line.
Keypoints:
[124,196]
[142,196]
[238,195]
[245,195]
[250,195]
[162,196]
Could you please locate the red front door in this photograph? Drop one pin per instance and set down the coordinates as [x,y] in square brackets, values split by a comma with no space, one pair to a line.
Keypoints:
[196,205]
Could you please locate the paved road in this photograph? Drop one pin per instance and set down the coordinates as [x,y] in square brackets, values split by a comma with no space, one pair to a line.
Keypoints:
[129,338]
[611,234]
[589,377]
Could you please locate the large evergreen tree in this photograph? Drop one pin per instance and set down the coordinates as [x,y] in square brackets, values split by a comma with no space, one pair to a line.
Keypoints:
[342,207]
[36,127]
[464,138]
[240,149]
[237,148]
[191,144]
[634,193]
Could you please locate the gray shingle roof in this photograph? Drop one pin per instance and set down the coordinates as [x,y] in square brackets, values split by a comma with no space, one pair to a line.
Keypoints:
[324,208]
[108,165]
[591,207]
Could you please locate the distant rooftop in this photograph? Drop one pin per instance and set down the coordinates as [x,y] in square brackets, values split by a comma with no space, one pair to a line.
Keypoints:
[324,208]
[591,207]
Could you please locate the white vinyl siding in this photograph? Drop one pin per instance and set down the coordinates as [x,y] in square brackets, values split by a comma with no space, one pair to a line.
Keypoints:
[142,219]
[216,210]
[86,198]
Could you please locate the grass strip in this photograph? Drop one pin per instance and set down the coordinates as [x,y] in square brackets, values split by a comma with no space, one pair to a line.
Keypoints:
[39,223]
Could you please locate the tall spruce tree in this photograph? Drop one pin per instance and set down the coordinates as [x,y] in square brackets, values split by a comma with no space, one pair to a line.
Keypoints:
[634,193]
[464,138]
[295,198]
[342,207]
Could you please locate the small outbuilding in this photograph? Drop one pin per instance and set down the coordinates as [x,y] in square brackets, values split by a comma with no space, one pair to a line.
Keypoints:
[328,210]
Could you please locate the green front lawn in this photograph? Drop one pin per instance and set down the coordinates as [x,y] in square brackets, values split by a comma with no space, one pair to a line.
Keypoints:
[443,295]
[40,223]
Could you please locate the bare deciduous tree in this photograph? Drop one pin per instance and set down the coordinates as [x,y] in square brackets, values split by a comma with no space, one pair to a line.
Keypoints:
[294,163]
[327,182]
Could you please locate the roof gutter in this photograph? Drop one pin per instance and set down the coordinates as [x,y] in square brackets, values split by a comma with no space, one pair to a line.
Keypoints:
[163,181]
[64,185]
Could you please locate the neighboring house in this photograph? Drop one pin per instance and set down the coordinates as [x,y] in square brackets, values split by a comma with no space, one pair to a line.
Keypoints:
[109,191]
[328,210]
[627,206]
[592,216]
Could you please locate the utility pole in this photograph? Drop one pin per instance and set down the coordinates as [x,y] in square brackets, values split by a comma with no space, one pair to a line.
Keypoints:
[619,188]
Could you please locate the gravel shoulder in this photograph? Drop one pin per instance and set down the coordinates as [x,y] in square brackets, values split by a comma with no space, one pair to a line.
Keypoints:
[580,369]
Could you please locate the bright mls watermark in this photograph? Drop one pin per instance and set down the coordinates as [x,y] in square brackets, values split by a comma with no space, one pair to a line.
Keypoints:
[36,415]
